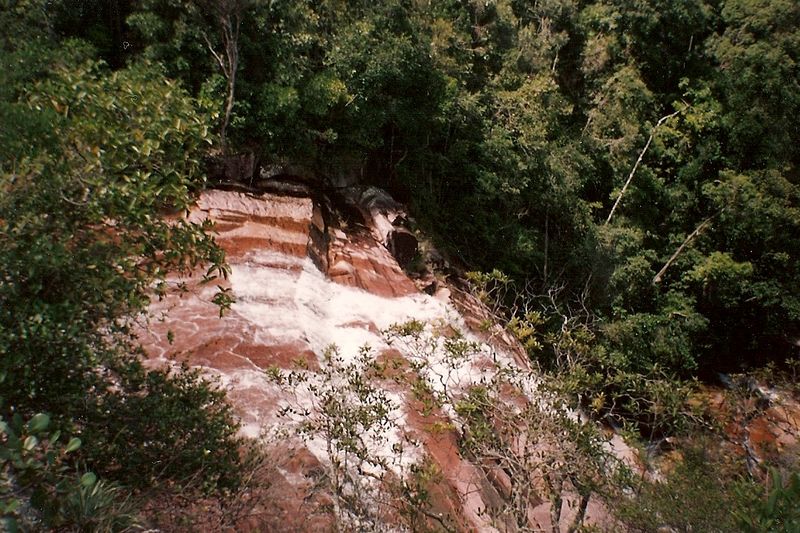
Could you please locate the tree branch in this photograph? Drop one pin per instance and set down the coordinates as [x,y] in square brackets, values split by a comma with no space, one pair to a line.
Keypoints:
[703,225]
[214,53]
[638,162]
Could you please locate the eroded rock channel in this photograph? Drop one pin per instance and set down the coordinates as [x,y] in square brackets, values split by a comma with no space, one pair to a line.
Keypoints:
[305,277]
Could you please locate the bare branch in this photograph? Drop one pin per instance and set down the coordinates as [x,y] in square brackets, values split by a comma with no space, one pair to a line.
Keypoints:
[703,225]
[219,59]
[638,162]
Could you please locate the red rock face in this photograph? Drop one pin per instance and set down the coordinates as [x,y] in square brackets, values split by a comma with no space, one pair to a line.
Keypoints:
[359,261]
[301,286]
[759,427]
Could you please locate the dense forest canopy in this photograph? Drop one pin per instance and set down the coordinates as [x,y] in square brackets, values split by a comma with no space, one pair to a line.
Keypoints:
[512,124]
[633,165]
[515,129]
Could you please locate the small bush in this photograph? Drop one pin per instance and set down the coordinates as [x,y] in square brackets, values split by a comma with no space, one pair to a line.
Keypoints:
[779,509]
[163,424]
[700,493]
[40,486]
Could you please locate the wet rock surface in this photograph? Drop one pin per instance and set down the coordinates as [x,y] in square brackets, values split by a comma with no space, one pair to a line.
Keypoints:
[761,424]
[303,281]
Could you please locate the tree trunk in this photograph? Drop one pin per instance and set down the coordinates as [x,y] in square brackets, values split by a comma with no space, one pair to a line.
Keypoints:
[546,244]
[581,514]
[228,15]
[228,109]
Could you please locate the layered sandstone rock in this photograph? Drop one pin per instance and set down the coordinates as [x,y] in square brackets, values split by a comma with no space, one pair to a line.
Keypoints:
[303,281]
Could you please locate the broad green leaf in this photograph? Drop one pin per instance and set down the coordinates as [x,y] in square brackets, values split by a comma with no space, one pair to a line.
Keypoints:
[38,423]
[30,443]
[88,479]
[74,444]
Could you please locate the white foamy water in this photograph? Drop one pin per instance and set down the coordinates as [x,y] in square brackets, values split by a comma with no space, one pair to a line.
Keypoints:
[296,301]
[288,300]
[287,312]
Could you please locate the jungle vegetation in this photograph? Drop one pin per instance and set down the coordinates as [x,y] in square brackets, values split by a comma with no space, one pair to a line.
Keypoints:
[626,172]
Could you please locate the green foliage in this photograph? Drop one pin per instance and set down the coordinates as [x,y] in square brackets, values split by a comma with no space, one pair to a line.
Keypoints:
[667,338]
[345,408]
[90,226]
[758,52]
[82,239]
[473,409]
[41,488]
[779,510]
[516,421]
[697,495]
[354,411]
[509,127]
[173,425]
[410,328]
[624,380]
[722,277]
[630,371]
